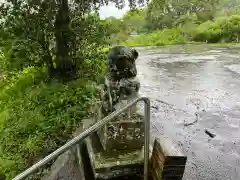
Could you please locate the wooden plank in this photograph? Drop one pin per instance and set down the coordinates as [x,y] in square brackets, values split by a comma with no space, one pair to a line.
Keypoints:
[177,160]
[167,161]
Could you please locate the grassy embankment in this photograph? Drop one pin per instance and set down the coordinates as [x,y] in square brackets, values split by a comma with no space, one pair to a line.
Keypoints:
[38,115]
[222,30]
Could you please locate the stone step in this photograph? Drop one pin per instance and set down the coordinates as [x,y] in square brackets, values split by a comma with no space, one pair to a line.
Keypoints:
[114,164]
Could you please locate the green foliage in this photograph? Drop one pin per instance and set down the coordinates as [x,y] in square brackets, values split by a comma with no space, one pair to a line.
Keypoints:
[27,33]
[160,15]
[167,14]
[36,117]
[135,20]
[221,30]
[227,8]
[189,20]
[225,29]
[155,13]
[120,29]
[158,38]
[116,29]
[90,33]
[186,20]
[38,114]
[95,65]
[49,33]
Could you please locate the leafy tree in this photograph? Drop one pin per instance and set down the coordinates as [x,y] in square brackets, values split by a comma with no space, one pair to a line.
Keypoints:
[155,13]
[205,10]
[116,25]
[27,33]
[162,13]
[228,7]
[135,20]
[52,33]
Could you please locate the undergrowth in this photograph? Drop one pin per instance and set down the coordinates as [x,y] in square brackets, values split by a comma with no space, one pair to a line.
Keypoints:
[158,38]
[37,114]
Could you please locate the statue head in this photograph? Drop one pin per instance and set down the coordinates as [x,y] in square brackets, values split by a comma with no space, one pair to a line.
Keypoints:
[122,62]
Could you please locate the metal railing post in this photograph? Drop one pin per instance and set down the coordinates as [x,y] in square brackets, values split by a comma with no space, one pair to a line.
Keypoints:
[146,136]
[93,129]
[78,153]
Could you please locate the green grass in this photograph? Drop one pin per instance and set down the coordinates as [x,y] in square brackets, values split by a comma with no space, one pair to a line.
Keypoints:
[37,116]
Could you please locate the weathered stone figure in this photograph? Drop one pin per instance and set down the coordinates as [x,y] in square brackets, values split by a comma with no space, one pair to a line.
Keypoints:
[121,86]
[121,61]
[120,81]
[122,139]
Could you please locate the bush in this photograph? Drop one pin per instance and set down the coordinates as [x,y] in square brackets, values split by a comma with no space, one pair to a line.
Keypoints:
[37,116]
[158,38]
[94,65]
[225,29]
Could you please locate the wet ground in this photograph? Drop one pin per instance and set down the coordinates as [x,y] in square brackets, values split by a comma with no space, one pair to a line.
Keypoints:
[201,85]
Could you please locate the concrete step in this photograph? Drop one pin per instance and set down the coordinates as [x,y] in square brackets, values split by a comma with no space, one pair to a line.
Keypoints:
[115,164]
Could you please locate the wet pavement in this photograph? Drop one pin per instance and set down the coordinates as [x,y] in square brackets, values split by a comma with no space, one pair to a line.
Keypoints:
[201,88]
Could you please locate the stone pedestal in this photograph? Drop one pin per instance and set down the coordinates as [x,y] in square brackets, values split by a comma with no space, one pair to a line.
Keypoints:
[112,164]
[127,130]
[123,133]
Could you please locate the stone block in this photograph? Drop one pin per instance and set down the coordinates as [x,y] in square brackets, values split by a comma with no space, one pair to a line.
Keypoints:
[123,133]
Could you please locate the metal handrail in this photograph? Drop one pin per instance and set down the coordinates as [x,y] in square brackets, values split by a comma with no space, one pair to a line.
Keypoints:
[93,129]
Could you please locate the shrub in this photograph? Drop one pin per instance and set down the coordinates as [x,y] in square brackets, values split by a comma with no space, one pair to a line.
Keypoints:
[37,116]
[225,29]
[158,38]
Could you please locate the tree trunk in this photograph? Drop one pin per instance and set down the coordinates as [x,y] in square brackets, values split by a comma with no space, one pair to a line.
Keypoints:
[49,60]
[64,61]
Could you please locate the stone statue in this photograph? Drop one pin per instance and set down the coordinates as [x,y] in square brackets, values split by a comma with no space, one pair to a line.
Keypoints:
[120,81]
[121,84]
[124,134]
